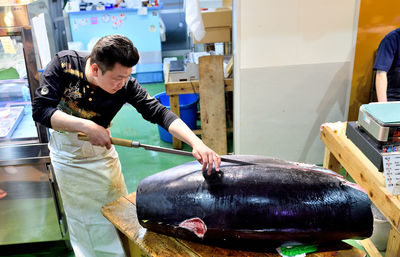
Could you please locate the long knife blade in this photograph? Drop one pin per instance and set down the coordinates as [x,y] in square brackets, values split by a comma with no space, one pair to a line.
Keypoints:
[185,153]
[136,144]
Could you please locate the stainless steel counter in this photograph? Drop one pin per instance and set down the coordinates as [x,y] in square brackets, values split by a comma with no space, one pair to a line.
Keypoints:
[24,154]
[32,209]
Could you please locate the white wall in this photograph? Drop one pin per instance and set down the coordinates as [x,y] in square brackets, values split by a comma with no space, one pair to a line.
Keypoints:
[293,70]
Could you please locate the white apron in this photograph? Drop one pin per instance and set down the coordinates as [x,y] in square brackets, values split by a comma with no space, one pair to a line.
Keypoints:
[88,177]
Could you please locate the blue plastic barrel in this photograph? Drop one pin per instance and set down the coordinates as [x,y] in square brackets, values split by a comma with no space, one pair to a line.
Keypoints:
[187,110]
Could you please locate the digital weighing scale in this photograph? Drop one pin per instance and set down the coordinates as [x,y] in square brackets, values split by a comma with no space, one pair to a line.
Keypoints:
[381,121]
[377,131]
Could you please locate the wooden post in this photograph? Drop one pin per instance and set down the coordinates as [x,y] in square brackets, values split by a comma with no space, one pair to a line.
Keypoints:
[393,246]
[125,243]
[370,248]
[212,103]
[330,161]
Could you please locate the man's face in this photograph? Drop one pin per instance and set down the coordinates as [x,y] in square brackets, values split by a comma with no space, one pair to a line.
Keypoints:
[112,80]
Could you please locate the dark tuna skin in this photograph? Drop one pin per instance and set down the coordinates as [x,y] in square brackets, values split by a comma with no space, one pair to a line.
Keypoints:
[270,203]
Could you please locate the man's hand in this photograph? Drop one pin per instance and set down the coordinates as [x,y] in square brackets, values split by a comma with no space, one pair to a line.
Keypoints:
[97,134]
[201,152]
[206,157]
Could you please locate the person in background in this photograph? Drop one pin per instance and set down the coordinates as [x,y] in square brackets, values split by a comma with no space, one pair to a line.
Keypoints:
[118,3]
[387,66]
[83,93]
[2,193]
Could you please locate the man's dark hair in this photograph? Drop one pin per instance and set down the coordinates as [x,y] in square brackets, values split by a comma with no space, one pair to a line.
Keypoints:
[114,49]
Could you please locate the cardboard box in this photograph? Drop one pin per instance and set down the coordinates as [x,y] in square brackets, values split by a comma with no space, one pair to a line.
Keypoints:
[221,17]
[218,26]
[227,3]
[215,35]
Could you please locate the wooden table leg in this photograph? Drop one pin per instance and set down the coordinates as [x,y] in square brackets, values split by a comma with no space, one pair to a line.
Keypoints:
[370,248]
[125,243]
[135,250]
[393,247]
[174,103]
[330,161]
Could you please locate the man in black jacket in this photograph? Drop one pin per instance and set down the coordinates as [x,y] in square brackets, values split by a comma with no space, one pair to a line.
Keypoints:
[83,93]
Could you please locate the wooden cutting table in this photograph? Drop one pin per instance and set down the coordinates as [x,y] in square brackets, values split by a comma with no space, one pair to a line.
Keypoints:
[138,241]
[340,150]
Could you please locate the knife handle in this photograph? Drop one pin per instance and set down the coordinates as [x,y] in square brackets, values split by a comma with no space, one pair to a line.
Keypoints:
[114,141]
[121,142]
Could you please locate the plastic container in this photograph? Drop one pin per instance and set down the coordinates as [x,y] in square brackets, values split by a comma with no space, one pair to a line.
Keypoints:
[26,95]
[187,109]
[381,230]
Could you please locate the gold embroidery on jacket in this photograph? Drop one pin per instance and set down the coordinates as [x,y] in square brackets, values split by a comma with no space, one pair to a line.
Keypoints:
[73,91]
[67,69]
[71,107]
[68,103]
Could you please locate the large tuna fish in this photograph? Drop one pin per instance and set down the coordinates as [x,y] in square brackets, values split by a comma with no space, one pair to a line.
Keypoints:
[270,203]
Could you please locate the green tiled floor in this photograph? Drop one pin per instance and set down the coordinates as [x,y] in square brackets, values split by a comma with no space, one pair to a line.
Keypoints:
[139,163]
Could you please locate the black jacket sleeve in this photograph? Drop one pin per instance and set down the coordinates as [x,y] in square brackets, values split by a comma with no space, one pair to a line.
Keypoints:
[149,107]
[48,95]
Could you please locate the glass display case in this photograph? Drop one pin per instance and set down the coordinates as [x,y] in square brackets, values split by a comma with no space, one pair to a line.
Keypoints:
[30,206]
[17,125]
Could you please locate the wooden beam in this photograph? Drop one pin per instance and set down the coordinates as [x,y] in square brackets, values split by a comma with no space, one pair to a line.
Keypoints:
[190,87]
[212,102]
